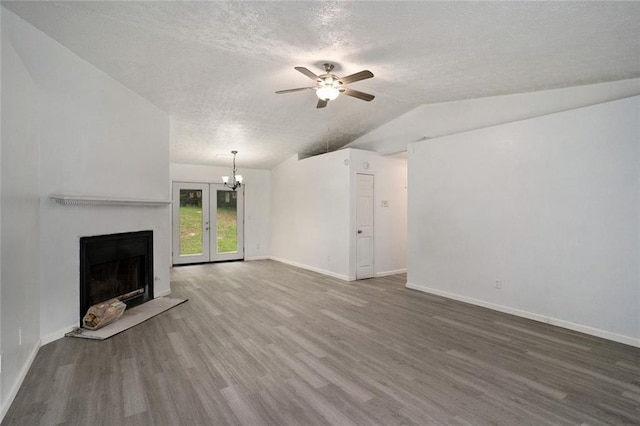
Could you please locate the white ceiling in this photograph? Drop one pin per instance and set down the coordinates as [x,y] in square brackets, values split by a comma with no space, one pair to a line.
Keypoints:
[214,66]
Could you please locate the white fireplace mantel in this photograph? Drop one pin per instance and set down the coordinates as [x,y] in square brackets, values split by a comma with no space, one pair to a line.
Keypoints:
[84,200]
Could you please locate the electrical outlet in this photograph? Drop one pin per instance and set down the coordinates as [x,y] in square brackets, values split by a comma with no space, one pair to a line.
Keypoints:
[498,284]
[19,337]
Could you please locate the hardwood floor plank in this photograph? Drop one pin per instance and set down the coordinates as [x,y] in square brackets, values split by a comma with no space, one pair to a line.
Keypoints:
[302,341]
[529,333]
[240,407]
[356,392]
[323,407]
[133,396]
[263,343]
[300,369]
[55,409]
[345,321]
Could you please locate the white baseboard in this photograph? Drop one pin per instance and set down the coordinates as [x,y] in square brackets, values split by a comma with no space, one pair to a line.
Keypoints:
[163,293]
[59,334]
[313,268]
[257,258]
[394,272]
[16,386]
[620,338]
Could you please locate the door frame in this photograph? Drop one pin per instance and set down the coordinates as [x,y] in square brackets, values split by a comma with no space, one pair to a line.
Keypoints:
[175,231]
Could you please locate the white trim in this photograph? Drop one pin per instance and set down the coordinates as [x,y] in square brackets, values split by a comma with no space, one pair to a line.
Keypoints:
[314,269]
[394,272]
[57,334]
[16,386]
[163,293]
[250,258]
[620,338]
[85,200]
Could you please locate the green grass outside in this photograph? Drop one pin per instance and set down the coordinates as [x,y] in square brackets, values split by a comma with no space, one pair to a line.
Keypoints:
[191,230]
[227,230]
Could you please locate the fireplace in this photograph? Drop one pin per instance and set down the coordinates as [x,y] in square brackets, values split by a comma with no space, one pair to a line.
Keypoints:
[116,265]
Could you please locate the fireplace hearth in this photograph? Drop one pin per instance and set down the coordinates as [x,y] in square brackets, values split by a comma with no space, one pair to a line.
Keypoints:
[116,265]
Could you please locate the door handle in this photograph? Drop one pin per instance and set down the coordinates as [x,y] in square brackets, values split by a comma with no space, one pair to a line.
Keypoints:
[359,231]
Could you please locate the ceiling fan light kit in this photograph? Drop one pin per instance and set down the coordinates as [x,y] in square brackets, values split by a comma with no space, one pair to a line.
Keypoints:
[327,93]
[329,86]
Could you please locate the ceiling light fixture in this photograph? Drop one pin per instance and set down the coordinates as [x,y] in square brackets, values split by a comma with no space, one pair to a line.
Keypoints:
[327,92]
[237,179]
[329,86]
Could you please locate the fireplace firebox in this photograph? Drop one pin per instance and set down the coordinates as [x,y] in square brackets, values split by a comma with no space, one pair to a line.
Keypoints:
[116,265]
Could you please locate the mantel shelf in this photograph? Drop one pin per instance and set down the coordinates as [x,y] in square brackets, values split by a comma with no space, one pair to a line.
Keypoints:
[82,200]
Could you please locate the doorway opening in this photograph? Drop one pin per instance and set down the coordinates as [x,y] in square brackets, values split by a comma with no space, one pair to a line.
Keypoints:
[208,223]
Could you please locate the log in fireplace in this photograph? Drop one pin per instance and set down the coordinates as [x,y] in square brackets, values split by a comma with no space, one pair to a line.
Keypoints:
[115,265]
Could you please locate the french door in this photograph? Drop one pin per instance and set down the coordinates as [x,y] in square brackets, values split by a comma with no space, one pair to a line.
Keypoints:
[208,223]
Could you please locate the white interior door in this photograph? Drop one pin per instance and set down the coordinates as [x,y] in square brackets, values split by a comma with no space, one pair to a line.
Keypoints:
[227,224]
[190,223]
[364,226]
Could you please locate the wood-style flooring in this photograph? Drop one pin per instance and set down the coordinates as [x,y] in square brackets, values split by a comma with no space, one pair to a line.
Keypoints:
[263,343]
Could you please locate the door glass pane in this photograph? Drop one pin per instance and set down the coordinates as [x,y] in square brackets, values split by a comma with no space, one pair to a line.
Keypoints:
[227,220]
[190,221]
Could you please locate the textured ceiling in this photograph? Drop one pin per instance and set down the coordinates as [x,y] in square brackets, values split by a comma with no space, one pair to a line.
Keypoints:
[214,66]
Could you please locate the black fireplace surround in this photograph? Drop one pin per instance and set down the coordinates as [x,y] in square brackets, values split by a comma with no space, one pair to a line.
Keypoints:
[114,265]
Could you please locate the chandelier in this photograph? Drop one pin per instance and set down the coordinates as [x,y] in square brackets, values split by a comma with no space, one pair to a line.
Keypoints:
[237,179]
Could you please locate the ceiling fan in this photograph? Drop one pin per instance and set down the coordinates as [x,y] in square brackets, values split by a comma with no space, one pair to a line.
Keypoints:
[329,86]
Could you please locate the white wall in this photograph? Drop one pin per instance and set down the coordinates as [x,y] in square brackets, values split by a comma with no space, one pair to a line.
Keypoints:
[550,206]
[441,119]
[310,213]
[390,222]
[313,212]
[97,138]
[257,201]
[19,222]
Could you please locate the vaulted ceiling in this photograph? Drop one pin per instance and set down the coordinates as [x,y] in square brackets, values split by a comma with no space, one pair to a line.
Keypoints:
[214,66]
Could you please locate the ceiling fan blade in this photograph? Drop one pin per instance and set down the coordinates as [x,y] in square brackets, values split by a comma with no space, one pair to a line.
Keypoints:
[357,94]
[279,92]
[362,75]
[321,103]
[308,73]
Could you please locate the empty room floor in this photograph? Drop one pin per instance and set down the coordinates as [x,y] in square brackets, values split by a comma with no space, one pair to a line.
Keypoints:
[266,343]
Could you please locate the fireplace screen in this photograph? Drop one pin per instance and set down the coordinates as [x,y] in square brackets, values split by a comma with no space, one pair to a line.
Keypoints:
[115,278]
[116,265]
